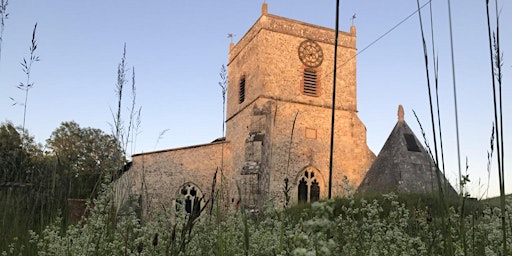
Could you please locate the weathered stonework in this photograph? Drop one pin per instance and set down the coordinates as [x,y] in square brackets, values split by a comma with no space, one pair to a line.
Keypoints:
[157,177]
[267,58]
[277,132]
[403,166]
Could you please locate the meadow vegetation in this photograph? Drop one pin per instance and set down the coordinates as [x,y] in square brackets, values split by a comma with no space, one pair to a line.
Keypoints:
[384,225]
[36,182]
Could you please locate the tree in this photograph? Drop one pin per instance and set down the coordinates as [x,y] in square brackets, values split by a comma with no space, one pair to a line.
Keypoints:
[83,156]
[16,149]
[10,149]
[28,198]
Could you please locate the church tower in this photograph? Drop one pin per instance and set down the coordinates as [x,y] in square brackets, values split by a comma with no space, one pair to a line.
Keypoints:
[279,105]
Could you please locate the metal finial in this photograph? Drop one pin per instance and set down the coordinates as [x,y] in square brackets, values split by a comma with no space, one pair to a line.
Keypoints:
[353,18]
[230,36]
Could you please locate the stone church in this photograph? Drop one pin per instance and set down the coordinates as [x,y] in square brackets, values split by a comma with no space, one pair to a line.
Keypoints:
[278,126]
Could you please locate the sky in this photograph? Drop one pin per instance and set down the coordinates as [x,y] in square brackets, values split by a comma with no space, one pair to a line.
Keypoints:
[177,50]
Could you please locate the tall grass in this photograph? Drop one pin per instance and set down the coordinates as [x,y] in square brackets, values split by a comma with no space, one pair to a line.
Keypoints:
[436,83]
[445,221]
[489,158]
[385,225]
[496,74]
[121,81]
[23,203]
[3,16]
[496,77]
[29,194]
[26,66]
[34,185]
[125,124]
[223,84]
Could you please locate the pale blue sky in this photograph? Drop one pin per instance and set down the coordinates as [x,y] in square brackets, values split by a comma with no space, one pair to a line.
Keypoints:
[177,49]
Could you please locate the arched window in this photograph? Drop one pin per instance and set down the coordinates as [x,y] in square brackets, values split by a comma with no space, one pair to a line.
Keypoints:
[309,189]
[190,198]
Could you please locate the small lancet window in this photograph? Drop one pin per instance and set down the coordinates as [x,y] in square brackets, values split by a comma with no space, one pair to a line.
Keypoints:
[241,96]
[309,189]
[310,82]
[315,191]
[411,143]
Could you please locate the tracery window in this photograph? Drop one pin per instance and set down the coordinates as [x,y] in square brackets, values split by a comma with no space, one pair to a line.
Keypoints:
[309,189]
[190,198]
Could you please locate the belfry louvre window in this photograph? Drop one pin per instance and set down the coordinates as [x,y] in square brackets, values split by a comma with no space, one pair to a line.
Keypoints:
[241,96]
[310,82]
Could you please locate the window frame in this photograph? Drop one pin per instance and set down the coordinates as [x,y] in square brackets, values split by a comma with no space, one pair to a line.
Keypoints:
[242,89]
[310,82]
[309,186]
[190,203]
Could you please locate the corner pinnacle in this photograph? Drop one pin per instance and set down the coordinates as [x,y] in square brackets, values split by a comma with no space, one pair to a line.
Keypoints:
[400,113]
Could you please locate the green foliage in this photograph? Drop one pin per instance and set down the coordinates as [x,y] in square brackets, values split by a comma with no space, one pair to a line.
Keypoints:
[82,156]
[35,184]
[351,226]
[12,154]
[25,193]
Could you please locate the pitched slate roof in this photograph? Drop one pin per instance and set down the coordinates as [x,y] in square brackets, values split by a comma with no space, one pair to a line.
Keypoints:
[403,166]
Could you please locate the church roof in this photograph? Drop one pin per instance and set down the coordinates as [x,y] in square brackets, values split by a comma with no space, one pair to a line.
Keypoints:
[403,166]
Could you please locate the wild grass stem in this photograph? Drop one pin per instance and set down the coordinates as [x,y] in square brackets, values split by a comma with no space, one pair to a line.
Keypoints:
[121,80]
[3,16]
[26,66]
[428,84]
[496,66]
[131,117]
[224,86]
[445,220]
[489,158]
[436,82]
[456,110]
[499,78]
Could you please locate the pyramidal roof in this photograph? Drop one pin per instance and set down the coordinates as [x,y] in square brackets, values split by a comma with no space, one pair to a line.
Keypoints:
[403,166]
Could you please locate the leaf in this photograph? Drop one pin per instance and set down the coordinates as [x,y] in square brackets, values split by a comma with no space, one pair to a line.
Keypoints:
[34,33]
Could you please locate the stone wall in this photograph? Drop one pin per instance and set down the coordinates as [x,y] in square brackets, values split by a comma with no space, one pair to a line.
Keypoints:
[158,176]
[277,132]
[310,148]
[267,57]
